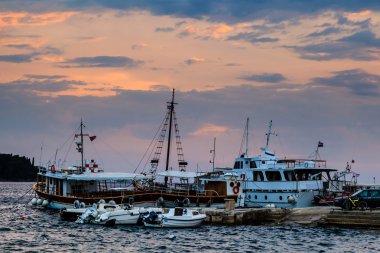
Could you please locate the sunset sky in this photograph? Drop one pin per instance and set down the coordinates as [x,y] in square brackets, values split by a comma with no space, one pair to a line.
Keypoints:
[310,66]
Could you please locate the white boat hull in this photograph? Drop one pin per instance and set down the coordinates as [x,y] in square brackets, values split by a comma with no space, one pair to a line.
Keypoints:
[168,220]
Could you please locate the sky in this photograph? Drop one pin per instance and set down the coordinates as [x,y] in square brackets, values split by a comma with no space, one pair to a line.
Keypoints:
[312,67]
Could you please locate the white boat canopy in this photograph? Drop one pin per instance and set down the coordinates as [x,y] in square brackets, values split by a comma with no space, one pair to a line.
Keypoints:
[114,176]
[177,173]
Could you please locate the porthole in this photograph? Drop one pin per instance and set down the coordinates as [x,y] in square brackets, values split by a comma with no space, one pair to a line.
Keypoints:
[255,196]
[232,184]
[249,196]
[266,197]
[280,197]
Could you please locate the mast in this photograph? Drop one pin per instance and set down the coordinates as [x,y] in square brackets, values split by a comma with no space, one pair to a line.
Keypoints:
[81,140]
[171,109]
[213,156]
[269,134]
[246,137]
[171,122]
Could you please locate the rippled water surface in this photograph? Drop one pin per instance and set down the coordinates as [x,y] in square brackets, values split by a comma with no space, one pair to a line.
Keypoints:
[29,229]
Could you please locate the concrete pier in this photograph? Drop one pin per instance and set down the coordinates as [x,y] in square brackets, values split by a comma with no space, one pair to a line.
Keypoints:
[352,219]
[317,216]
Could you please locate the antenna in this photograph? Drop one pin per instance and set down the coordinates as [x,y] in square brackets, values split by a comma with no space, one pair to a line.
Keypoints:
[246,137]
[213,156]
[269,134]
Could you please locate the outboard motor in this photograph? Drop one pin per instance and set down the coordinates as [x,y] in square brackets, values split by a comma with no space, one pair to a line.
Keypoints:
[152,216]
[87,216]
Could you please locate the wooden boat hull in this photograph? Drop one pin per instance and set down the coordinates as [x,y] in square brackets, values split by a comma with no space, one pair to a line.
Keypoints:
[137,198]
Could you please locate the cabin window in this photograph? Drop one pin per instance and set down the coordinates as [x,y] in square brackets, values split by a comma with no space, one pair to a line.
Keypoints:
[289,176]
[253,165]
[280,197]
[255,196]
[258,176]
[249,196]
[303,175]
[266,197]
[241,164]
[263,162]
[273,175]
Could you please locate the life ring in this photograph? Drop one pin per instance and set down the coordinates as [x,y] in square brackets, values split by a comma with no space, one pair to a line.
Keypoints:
[236,189]
[52,168]
[242,176]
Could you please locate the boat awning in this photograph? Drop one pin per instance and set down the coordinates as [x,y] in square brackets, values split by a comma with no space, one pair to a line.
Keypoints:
[114,176]
[177,173]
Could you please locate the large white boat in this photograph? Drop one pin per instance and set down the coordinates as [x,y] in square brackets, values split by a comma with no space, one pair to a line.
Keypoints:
[280,182]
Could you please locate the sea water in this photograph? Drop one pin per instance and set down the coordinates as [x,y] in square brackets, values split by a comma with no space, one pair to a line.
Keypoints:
[24,228]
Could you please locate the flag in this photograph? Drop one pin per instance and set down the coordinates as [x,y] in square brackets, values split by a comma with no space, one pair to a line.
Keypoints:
[320,144]
[92,137]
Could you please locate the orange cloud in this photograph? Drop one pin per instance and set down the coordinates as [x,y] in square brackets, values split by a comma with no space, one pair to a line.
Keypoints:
[216,31]
[208,129]
[356,16]
[32,19]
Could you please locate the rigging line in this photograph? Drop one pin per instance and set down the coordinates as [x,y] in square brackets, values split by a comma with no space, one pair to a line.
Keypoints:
[61,147]
[17,200]
[149,147]
[110,147]
[281,145]
[242,142]
[67,153]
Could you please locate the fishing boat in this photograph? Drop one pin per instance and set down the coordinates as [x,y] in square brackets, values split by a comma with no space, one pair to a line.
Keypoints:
[175,218]
[280,182]
[59,187]
[85,183]
[182,188]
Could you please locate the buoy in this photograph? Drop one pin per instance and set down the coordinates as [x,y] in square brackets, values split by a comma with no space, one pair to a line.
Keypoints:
[171,237]
[34,201]
[292,200]
[39,201]
[76,204]
[45,203]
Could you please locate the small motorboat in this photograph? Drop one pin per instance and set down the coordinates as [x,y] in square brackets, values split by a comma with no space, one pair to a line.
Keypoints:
[127,216]
[72,214]
[178,217]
